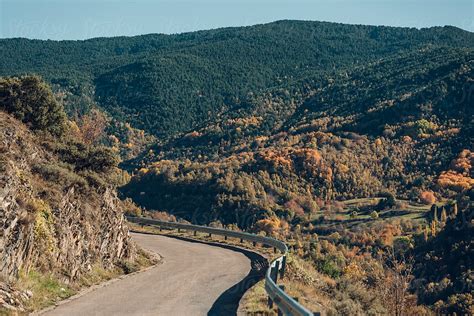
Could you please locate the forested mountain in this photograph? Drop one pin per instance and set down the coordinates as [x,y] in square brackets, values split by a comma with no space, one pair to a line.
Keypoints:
[170,83]
[380,127]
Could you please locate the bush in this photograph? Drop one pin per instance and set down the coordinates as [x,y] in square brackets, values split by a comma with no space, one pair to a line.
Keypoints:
[130,208]
[94,179]
[60,175]
[102,159]
[374,215]
[128,266]
[388,201]
[329,267]
[99,159]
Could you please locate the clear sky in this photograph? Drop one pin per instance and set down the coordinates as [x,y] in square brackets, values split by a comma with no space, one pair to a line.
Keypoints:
[81,19]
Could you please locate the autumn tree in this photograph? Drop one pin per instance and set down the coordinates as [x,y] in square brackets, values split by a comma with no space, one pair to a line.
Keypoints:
[427,197]
[92,126]
[455,209]
[395,286]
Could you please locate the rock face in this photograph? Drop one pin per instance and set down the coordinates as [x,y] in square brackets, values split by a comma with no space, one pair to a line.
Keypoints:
[49,225]
[89,235]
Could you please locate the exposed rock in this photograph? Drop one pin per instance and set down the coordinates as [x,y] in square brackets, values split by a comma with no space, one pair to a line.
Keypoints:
[48,226]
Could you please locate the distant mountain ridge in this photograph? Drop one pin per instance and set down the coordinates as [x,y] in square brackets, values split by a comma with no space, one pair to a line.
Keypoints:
[168,84]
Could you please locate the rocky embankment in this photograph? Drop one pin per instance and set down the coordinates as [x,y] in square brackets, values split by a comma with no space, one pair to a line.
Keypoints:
[49,223]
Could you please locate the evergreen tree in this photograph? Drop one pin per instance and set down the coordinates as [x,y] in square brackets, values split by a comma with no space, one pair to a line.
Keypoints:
[434,212]
[31,101]
[455,209]
[444,217]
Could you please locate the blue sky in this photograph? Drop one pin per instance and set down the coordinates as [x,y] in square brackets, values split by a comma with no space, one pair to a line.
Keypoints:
[81,19]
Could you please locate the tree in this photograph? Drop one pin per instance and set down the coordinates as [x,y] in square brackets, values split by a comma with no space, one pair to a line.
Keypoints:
[434,212]
[395,286]
[388,201]
[427,197]
[444,216]
[92,126]
[455,209]
[30,100]
[434,227]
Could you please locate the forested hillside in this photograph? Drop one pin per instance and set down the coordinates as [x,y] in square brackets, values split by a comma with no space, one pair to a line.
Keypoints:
[377,128]
[165,84]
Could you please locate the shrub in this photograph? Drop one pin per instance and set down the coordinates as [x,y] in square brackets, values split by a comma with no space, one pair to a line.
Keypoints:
[60,175]
[102,159]
[99,159]
[374,215]
[329,267]
[388,201]
[94,179]
[130,208]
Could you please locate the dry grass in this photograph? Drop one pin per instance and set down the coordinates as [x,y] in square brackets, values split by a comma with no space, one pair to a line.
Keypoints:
[47,289]
[255,301]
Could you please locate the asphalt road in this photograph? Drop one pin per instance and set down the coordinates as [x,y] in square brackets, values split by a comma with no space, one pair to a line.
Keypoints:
[194,279]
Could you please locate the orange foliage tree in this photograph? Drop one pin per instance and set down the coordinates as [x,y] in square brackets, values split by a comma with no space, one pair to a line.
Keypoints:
[92,126]
[427,197]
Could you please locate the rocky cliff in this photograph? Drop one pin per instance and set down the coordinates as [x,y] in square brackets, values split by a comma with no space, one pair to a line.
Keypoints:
[51,218]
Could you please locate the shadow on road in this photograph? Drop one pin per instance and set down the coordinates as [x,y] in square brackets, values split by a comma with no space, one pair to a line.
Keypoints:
[228,302]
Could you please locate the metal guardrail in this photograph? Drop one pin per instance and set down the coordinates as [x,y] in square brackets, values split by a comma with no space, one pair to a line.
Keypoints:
[286,304]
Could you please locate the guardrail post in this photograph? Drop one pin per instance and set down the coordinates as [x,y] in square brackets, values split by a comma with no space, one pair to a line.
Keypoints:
[241,240]
[270,302]
[274,250]
[225,237]
[283,267]
[274,272]
[195,233]
[254,243]
[282,287]
[210,235]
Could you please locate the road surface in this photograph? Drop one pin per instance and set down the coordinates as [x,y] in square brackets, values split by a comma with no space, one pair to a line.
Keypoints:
[194,279]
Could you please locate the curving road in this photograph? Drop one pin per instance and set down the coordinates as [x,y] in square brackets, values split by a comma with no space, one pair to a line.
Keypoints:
[194,279]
